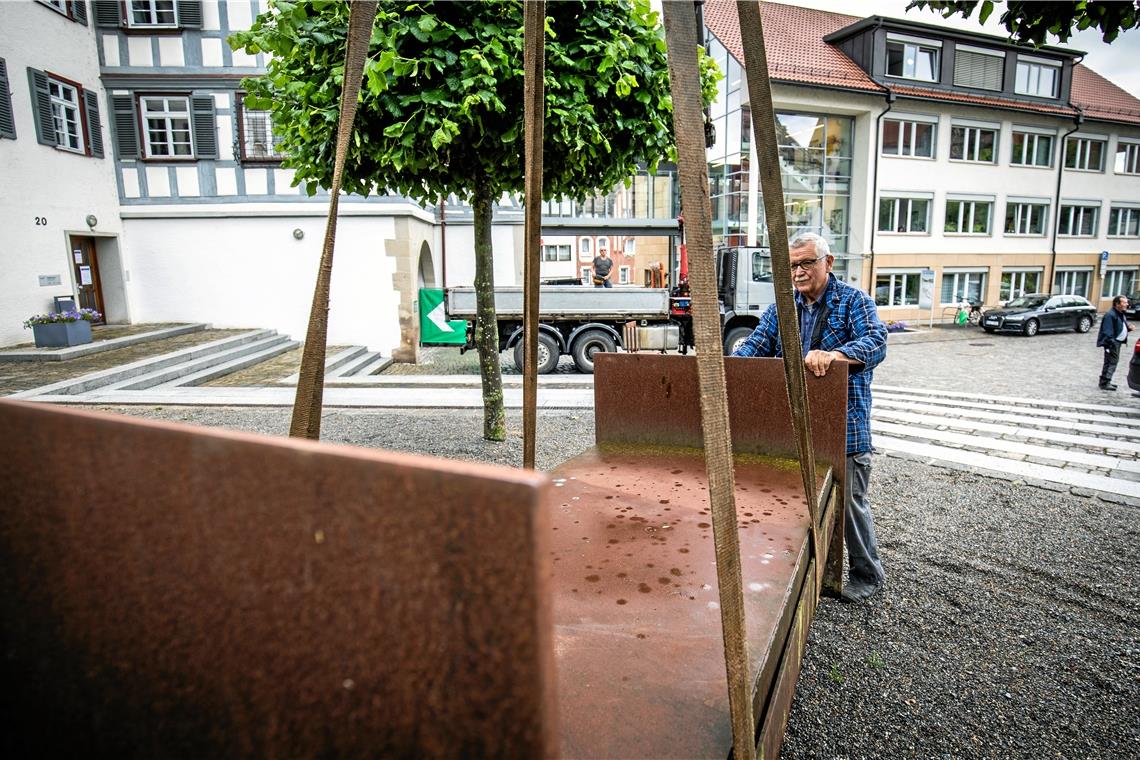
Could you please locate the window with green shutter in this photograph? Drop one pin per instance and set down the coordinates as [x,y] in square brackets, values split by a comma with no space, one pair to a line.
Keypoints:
[7,118]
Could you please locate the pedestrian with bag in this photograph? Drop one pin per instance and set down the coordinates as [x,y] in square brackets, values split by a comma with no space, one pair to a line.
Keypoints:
[602,266]
[1114,329]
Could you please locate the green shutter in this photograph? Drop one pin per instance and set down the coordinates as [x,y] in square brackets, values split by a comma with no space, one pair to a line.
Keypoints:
[205,130]
[79,11]
[94,123]
[7,119]
[41,107]
[125,126]
[107,13]
[190,14]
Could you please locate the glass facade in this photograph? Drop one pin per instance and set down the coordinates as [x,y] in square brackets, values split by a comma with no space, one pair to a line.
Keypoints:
[815,151]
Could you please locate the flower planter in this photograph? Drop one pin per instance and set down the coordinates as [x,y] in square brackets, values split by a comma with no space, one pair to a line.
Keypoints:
[62,334]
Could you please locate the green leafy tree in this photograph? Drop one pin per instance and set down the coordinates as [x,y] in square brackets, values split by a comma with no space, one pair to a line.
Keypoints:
[441,109]
[1033,22]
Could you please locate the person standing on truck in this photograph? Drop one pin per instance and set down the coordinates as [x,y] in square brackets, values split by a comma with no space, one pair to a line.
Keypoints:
[602,266]
[837,323]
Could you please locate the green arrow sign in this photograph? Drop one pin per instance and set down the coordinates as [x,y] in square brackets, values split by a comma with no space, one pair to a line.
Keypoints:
[435,328]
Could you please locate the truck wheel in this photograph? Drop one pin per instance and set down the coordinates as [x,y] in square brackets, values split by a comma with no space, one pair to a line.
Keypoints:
[589,343]
[734,338]
[548,354]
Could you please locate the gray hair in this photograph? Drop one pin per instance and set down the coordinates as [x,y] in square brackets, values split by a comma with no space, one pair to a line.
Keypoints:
[822,247]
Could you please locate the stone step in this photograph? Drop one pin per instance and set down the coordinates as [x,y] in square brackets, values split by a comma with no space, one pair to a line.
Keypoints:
[1023,420]
[175,372]
[1039,410]
[365,365]
[106,377]
[1126,411]
[275,348]
[336,365]
[378,364]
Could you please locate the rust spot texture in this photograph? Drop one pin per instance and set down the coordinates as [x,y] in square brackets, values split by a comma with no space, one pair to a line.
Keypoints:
[170,591]
[641,663]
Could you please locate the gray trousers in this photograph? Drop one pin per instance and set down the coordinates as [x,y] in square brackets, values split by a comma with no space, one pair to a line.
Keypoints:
[862,548]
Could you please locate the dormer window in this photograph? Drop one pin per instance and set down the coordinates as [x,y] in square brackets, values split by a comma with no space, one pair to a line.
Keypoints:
[913,58]
[1038,77]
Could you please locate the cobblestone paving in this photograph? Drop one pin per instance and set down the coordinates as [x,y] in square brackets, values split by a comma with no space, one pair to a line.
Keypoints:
[269,372]
[22,376]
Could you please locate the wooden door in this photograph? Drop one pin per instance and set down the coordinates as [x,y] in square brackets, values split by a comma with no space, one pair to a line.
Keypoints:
[86,266]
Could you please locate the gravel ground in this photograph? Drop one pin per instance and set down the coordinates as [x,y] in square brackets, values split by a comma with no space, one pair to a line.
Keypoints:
[1009,626]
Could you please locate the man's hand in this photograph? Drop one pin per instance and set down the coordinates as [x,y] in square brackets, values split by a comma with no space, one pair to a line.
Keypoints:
[818,362]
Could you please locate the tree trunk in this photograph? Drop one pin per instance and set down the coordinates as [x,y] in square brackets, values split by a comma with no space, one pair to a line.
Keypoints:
[486,326]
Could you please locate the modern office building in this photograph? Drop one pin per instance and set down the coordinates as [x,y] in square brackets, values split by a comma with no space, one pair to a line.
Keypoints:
[913,147]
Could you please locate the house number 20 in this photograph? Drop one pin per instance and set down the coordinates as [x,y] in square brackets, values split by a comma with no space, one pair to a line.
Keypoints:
[41,221]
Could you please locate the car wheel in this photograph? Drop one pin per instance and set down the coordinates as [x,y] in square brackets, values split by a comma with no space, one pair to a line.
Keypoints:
[989,329]
[1031,328]
[548,354]
[735,338]
[589,343]
[1084,324]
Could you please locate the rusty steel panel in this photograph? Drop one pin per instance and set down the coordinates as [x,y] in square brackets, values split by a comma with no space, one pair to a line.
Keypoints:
[637,627]
[655,399]
[175,591]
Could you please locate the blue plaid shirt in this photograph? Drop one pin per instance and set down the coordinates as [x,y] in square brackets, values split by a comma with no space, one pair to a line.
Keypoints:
[853,327]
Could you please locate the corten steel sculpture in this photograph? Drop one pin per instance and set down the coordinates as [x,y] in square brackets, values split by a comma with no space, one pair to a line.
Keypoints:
[204,593]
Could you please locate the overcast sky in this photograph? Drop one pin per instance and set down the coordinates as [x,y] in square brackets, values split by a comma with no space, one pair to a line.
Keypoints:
[1118,62]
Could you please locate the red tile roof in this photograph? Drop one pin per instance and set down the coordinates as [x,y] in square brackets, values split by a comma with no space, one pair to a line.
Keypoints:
[795,47]
[797,54]
[1101,99]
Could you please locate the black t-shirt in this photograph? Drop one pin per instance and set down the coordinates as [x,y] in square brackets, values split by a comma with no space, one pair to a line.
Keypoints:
[603,265]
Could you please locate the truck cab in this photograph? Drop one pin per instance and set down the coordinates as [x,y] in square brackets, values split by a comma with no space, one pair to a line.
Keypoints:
[744,286]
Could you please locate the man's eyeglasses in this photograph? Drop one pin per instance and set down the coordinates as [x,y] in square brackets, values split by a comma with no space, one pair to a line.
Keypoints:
[806,264]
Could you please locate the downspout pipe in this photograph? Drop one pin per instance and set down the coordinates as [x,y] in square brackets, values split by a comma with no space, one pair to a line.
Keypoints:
[875,190]
[1077,121]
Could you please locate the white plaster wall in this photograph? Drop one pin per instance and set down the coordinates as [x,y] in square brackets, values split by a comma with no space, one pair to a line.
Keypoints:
[251,272]
[506,240]
[78,185]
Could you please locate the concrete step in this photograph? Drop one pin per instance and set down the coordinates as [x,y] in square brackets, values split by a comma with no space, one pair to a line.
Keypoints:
[107,377]
[951,404]
[1114,429]
[360,366]
[272,349]
[378,364]
[336,365]
[940,395]
[197,364]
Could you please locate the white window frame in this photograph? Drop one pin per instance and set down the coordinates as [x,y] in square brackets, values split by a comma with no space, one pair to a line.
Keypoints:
[972,143]
[1065,279]
[1082,154]
[910,125]
[1131,153]
[167,117]
[1026,152]
[912,45]
[892,275]
[603,245]
[1017,277]
[965,220]
[1073,214]
[898,201]
[1125,216]
[1115,275]
[586,246]
[981,274]
[630,246]
[67,116]
[1033,68]
[557,252]
[623,275]
[151,8]
[60,6]
[1024,212]
[970,49]
[587,275]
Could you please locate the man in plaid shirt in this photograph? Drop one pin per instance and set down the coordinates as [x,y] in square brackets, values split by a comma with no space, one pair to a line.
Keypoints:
[837,323]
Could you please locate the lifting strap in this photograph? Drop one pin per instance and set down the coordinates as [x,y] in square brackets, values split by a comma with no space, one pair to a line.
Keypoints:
[534,45]
[306,421]
[764,129]
[688,128]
